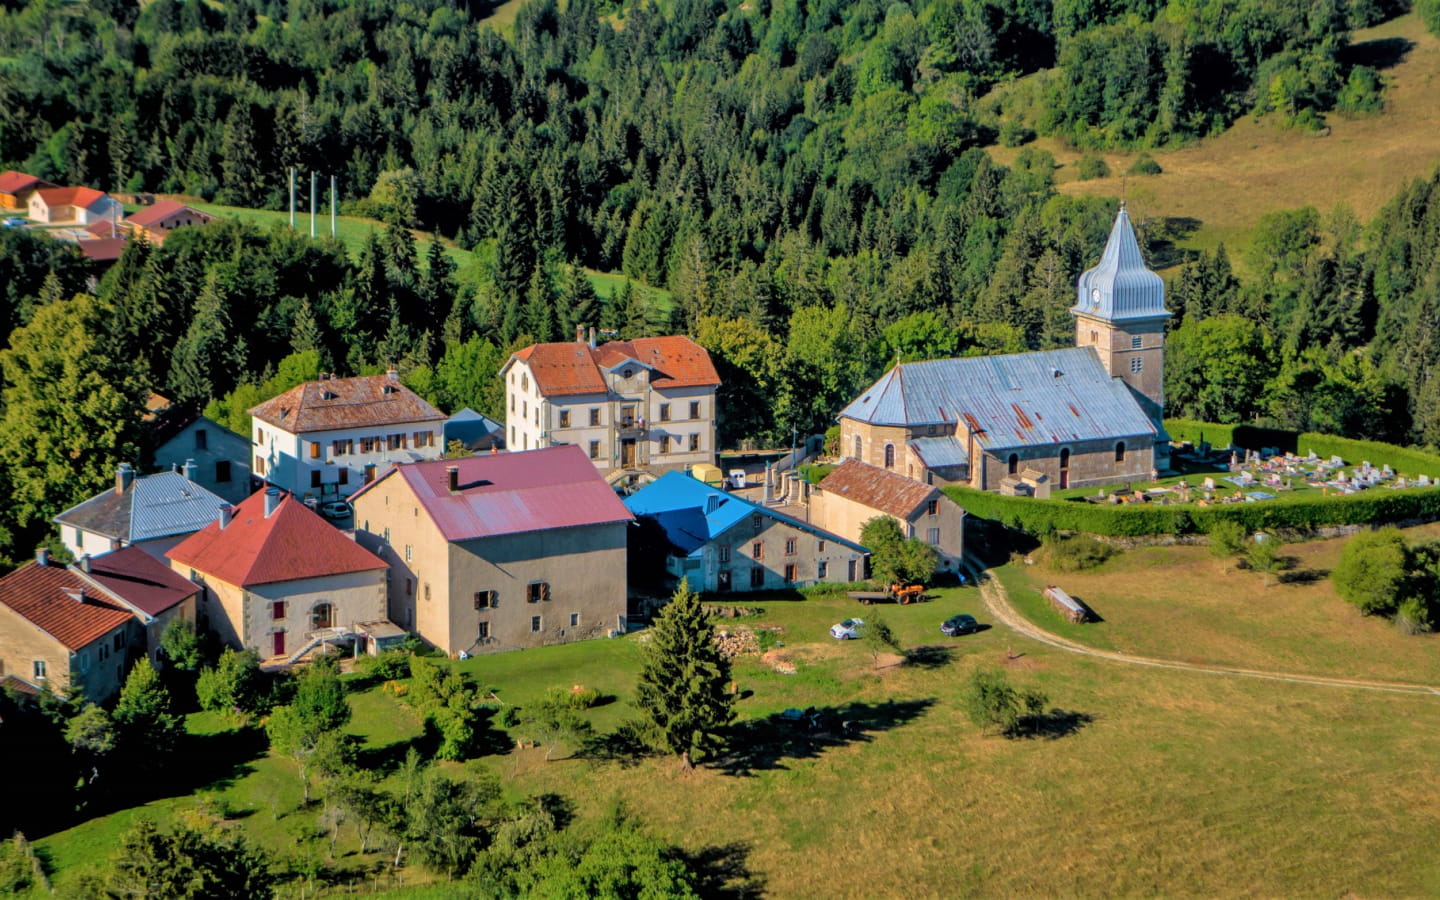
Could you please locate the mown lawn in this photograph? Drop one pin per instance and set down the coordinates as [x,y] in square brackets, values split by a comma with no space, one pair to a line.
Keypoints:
[1149,781]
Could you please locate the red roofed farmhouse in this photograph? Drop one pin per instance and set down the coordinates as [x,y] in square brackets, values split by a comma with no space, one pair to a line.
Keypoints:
[646,404]
[857,492]
[72,206]
[16,188]
[154,222]
[58,630]
[277,576]
[325,438]
[500,552]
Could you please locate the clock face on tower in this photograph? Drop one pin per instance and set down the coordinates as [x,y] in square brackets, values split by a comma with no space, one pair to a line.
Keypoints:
[1095,297]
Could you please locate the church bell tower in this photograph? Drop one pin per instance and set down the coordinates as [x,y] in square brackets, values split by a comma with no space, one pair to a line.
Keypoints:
[1120,311]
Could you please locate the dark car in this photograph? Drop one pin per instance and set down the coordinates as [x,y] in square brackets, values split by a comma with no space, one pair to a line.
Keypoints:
[961,624]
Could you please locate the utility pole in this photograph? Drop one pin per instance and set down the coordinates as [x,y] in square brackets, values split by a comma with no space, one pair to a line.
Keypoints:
[332,206]
[313,183]
[292,198]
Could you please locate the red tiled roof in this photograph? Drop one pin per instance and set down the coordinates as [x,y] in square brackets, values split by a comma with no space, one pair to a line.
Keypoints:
[162,210]
[361,402]
[512,493]
[38,594]
[13,182]
[877,488]
[83,197]
[574,368]
[141,580]
[102,249]
[292,543]
[102,228]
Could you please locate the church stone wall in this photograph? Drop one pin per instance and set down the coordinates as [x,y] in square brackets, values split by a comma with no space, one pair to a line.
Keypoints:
[1091,463]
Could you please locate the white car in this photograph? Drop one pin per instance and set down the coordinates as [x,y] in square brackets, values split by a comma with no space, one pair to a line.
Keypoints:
[848,630]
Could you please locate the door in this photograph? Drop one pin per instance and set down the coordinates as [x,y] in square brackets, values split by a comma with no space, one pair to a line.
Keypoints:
[850,573]
[1064,468]
[277,641]
[323,616]
[627,453]
[722,581]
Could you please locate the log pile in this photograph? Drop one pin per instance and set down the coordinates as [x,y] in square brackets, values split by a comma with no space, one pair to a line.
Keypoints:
[736,643]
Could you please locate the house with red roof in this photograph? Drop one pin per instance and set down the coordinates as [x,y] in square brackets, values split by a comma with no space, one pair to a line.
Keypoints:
[277,578]
[856,492]
[57,630]
[153,592]
[500,552]
[72,206]
[16,188]
[642,405]
[154,222]
[325,438]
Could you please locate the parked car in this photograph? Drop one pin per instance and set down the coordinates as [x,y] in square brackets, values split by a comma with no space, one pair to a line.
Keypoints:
[335,509]
[848,630]
[958,625]
[14,222]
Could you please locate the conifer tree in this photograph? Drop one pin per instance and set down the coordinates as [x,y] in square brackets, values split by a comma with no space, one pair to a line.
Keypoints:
[683,690]
[146,726]
[539,312]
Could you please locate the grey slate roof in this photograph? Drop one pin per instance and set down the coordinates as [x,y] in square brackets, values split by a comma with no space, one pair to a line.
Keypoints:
[1010,401]
[1120,287]
[154,506]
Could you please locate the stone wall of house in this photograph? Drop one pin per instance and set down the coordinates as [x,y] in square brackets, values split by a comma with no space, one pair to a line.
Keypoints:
[1090,463]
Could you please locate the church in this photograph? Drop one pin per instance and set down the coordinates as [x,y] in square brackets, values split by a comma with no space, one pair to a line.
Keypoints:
[1026,422]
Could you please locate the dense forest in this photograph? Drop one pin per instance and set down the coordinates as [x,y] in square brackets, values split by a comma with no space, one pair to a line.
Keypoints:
[806,180]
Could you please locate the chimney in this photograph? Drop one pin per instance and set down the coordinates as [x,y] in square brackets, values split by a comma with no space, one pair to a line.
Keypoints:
[124,477]
[579,334]
[453,474]
[592,337]
[78,595]
[85,563]
[189,470]
[392,373]
[42,556]
[227,513]
[272,500]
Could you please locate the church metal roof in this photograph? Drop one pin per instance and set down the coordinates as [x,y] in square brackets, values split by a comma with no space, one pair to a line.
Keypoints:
[1121,287]
[1011,401]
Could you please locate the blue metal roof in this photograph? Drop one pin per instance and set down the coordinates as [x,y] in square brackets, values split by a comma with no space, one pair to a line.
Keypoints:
[938,452]
[167,504]
[1121,287]
[1015,400]
[693,513]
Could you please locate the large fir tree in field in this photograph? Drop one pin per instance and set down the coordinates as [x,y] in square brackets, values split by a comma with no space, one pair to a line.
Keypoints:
[683,688]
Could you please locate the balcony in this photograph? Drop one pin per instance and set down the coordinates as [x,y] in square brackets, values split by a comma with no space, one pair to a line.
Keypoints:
[630,427]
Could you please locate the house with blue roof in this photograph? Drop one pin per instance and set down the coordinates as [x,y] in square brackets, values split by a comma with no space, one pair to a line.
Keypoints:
[1089,415]
[722,542]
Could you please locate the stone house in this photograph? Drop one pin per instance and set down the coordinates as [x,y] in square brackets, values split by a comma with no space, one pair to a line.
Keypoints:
[217,458]
[152,512]
[500,552]
[154,593]
[856,492]
[724,543]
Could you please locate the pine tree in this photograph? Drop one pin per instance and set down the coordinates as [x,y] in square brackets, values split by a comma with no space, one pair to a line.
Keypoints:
[539,312]
[684,684]
[203,365]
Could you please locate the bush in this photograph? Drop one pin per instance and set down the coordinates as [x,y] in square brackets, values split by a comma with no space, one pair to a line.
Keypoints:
[1414,616]
[1091,166]
[578,697]
[1013,134]
[1145,164]
[387,666]
[1076,554]
[1373,571]
[1429,12]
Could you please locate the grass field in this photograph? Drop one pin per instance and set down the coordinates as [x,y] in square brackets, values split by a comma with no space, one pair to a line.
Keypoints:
[1229,181]
[1150,781]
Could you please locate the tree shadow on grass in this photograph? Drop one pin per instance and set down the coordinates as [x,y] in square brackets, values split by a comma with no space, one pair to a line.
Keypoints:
[930,656]
[1382,53]
[723,872]
[1301,576]
[1053,725]
[761,744]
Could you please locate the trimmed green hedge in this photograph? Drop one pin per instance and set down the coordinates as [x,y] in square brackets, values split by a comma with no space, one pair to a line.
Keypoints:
[1407,461]
[1298,511]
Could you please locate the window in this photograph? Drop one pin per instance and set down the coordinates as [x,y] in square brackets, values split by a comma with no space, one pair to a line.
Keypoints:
[694,409]
[486,599]
[1120,452]
[524,382]
[314,478]
[102,652]
[536,591]
[83,658]
[858,449]
[595,416]
[537,414]
[422,439]
[822,569]
[574,620]
[534,623]
[789,546]
[820,547]
[344,475]
[757,550]
[564,418]
[314,449]
[512,402]
[408,554]
[664,412]
[1012,465]
[694,442]
[932,535]
[889,456]
[789,573]
[1137,365]
[119,641]
[594,449]
[387,530]
[259,436]
[202,439]
[277,610]
[524,409]
[38,670]
[341,447]
[724,554]
[482,631]
[409,587]
[1065,458]
[757,577]
[755,521]
[222,471]
[932,508]
[1135,342]
[664,443]
[367,445]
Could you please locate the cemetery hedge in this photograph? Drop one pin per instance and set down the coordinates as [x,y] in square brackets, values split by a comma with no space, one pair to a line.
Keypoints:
[1408,461]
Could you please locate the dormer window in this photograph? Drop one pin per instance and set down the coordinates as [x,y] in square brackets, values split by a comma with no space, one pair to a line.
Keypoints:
[626,372]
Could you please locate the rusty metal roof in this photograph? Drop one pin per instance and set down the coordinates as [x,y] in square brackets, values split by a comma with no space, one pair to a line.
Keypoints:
[1015,400]
[364,401]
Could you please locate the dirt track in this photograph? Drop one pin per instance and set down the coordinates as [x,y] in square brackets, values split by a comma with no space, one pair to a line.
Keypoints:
[998,602]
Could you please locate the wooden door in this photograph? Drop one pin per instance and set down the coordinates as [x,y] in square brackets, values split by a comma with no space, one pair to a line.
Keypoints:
[278,643]
[627,453]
